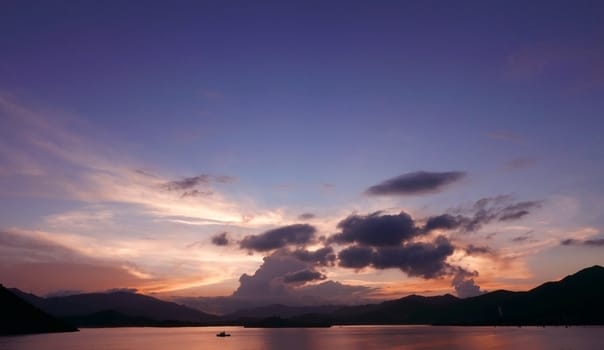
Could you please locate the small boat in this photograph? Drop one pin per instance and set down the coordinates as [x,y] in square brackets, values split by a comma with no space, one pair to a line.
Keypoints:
[223,334]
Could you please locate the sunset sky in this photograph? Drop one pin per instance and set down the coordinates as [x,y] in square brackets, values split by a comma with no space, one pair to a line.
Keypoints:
[300,151]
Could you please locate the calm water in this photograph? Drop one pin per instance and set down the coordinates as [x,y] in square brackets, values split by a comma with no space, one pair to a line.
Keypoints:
[346,338]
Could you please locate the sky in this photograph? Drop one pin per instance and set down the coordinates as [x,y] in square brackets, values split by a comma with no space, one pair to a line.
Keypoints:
[299,151]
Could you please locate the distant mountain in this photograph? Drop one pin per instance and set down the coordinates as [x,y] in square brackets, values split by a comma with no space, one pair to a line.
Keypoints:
[110,318]
[279,310]
[577,299]
[20,317]
[85,308]
[413,309]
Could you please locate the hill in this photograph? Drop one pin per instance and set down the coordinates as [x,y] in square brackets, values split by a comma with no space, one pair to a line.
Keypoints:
[20,317]
[132,308]
[576,299]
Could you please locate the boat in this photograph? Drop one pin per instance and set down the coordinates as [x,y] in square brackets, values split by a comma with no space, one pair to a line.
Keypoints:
[223,334]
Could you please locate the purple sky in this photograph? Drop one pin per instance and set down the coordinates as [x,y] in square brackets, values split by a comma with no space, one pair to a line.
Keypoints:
[171,146]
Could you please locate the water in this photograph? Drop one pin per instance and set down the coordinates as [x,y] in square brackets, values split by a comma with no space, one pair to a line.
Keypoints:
[335,338]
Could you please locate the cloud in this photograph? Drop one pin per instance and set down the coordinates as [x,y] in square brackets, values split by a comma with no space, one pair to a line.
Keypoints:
[268,279]
[306,216]
[376,229]
[41,144]
[416,183]
[520,239]
[324,256]
[303,276]
[220,239]
[518,210]
[31,246]
[355,257]
[187,183]
[280,275]
[416,259]
[196,193]
[424,259]
[442,222]
[599,242]
[297,234]
[472,249]
[486,210]
[464,284]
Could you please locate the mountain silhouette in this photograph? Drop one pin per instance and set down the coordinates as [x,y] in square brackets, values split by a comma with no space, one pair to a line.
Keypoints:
[89,308]
[575,300]
[20,317]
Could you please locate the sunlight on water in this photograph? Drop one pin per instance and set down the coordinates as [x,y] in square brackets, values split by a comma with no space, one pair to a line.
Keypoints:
[349,338]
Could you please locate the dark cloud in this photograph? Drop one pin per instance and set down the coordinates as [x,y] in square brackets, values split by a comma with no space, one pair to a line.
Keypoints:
[376,230]
[187,183]
[196,193]
[356,257]
[520,239]
[220,239]
[324,256]
[303,276]
[588,242]
[478,250]
[416,259]
[306,216]
[464,284]
[518,210]
[420,182]
[298,234]
[514,216]
[442,222]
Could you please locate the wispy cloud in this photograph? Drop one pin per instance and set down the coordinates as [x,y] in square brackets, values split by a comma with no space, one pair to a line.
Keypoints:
[44,146]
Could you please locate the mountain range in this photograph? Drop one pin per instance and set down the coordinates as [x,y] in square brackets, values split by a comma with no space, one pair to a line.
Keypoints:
[576,299]
[20,317]
[118,308]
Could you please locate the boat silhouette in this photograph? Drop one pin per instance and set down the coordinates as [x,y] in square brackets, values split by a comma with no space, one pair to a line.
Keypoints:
[223,334]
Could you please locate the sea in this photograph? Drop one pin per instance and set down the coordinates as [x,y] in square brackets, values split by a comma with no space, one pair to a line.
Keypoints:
[334,338]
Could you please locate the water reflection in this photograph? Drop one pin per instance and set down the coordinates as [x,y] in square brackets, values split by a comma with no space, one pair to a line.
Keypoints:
[349,338]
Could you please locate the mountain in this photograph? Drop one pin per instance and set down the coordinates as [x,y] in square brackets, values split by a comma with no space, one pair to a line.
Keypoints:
[84,309]
[576,299]
[279,310]
[413,309]
[20,317]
